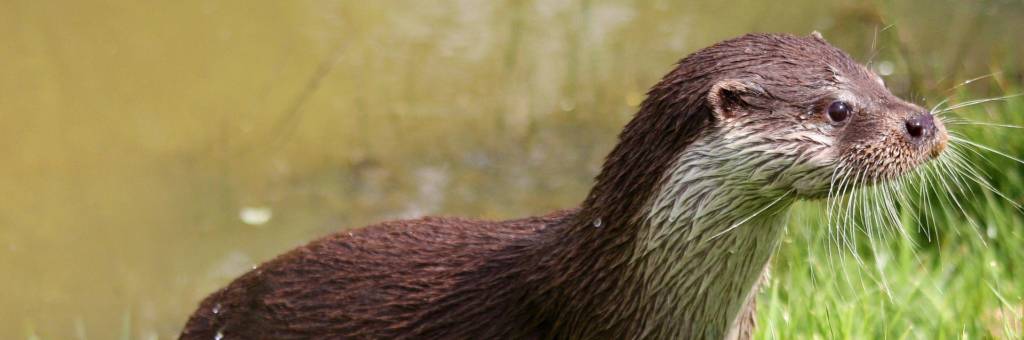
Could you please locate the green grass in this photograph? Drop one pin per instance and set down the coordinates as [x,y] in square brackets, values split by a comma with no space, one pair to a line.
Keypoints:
[947,278]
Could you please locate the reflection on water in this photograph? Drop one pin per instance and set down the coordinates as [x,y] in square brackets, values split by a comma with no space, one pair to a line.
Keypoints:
[153,152]
[255,215]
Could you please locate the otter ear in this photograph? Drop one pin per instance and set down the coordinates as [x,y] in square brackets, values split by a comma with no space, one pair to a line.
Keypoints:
[732,97]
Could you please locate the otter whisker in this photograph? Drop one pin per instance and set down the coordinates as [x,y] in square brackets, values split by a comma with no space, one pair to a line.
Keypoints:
[934,173]
[976,102]
[843,238]
[905,197]
[892,195]
[969,81]
[836,231]
[840,174]
[934,108]
[914,203]
[922,196]
[886,216]
[952,196]
[941,181]
[850,221]
[955,138]
[963,121]
[957,158]
[887,220]
[887,210]
[976,227]
[930,177]
[879,201]
[878,210]
[957,181]
[835,205]
[966,171]
[959,147]
[882,279]
[834,193]
[987,186]
[748,218]
[966,82]
[873,214]
[870,215]
[836,234]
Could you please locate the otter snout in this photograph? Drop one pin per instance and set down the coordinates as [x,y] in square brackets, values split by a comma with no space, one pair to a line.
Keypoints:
[924,129]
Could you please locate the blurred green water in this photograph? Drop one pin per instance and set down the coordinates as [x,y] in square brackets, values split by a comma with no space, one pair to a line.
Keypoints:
[153,151]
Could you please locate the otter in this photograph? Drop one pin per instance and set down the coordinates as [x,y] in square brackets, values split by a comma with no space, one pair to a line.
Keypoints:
[670,243]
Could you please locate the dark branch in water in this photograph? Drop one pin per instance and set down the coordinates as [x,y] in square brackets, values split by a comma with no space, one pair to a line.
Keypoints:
[285,126]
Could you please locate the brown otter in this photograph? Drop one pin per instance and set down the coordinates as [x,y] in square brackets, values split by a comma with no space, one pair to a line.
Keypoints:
[669,244]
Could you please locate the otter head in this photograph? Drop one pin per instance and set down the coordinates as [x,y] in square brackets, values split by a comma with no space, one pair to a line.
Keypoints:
[814,113]
[800,112]
[779,113]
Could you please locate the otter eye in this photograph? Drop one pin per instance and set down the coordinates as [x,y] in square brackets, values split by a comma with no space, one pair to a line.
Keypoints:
[839,110]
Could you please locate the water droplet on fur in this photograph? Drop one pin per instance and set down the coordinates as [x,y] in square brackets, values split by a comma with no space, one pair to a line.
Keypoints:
[806,115]
[219,336]
[216,309]
[597,223]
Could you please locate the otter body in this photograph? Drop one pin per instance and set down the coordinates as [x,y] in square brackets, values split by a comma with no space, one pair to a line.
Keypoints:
[669,244]
[426,278]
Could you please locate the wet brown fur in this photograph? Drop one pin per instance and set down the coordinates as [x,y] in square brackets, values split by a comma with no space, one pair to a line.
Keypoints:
[555,276]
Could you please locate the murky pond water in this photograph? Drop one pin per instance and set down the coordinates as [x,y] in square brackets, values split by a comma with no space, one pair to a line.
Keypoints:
[152,151]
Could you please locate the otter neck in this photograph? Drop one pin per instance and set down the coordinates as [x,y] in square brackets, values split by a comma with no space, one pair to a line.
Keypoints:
[686,262]
[707,238]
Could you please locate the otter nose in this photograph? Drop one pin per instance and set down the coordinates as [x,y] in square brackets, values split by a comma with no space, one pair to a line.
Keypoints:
[920,125]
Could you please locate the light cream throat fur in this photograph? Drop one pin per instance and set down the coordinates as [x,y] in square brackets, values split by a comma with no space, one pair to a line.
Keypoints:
[696,262]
